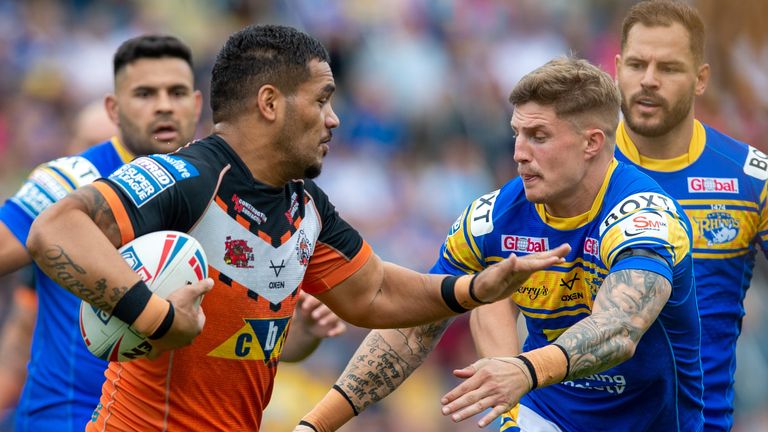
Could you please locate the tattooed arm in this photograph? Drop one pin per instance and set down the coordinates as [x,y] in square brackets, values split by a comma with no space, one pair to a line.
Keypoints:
[74,242]
[626,305]
[381,364]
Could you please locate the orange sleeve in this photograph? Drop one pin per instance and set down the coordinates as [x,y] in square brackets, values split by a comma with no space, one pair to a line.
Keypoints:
[329,267]
[118,209]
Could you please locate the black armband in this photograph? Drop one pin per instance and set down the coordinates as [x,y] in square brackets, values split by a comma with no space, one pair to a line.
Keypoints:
[448,291]
[307,424]
[531,370]
[567,359]
[338,389]
[133,302]
[165,325]
[472,290]
[630,252]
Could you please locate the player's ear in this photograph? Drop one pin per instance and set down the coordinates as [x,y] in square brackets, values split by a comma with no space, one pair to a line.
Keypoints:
[110,105]
[198,104]
[595,142]
[267,101]
[702,78]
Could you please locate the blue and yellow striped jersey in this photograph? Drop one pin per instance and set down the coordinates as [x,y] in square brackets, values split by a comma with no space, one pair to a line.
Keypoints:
[64,380]
[660,387]
[721,185]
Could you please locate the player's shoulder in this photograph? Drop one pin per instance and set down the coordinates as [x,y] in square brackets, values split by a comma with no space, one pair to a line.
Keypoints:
[723,151]
[484,212]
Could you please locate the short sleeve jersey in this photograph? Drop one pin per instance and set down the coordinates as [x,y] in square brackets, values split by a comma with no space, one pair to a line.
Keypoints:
[263,245]
[63,378]
[657,389]
[722,186]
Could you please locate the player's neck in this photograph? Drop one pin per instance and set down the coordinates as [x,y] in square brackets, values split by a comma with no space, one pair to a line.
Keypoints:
[254,150]
[674,143]
[580,200]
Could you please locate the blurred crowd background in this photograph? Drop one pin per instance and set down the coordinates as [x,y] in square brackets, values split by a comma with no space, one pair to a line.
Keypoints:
[422,98]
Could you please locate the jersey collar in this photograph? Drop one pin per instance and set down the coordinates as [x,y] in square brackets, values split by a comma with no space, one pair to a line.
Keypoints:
[573,222]
[125,155]
[695,148]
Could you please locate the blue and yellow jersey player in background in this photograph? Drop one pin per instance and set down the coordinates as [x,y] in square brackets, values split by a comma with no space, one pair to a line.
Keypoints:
[720,182]
[614,333]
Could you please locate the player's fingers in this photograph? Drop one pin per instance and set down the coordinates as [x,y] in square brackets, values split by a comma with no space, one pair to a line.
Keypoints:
[199,288]
[337,330]
[467,406]
[464,373]
[460,390]
[493,415]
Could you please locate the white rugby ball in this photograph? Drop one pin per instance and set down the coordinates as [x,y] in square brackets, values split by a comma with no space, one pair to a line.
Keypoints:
[165,260]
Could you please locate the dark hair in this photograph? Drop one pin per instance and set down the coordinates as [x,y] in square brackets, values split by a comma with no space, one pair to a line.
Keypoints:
[150,46]
[665,13]
[259,55]
[576,89]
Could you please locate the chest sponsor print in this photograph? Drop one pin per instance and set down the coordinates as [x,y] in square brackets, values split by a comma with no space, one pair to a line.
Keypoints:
[257,339]
[712,184]
[517,243]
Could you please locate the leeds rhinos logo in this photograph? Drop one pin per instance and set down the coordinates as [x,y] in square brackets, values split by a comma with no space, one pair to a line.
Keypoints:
[258,339]
[237,253]
[718,227]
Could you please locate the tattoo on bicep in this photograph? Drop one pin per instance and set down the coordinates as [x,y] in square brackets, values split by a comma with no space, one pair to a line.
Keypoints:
[67,273]
[627,304]
[99,211]
[385,359]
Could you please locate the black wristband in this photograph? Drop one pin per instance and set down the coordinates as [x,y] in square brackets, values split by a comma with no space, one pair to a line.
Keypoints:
[308,424]
[472,290]
[567,359]
[338,389]
[133,302]
[448,291]
[164,326]
[531,370]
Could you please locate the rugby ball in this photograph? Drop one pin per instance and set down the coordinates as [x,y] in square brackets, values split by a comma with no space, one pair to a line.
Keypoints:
[165,260]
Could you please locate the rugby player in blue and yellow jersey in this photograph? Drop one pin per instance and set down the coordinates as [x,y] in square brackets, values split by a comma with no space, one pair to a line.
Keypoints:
[614,332]
[719,182]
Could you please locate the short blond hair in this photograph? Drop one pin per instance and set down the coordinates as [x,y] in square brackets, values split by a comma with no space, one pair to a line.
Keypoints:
[576,89]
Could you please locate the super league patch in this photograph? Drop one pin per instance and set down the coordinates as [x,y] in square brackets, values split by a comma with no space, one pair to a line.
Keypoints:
[142,179]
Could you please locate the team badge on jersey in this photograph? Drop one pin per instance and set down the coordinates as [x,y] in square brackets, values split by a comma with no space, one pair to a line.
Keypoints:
[303,249]
[237,253]
[718,227]
[258,339]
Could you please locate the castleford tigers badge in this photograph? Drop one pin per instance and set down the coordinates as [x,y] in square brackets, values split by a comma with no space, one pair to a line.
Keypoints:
[237,253]
[303,248]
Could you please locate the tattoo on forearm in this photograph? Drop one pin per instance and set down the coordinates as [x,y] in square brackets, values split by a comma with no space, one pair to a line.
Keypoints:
[629,301]
[385,359]
[62,269]
[99,211]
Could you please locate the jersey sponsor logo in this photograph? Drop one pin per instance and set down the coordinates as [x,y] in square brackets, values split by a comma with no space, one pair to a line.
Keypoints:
[244,207]
[303,248]
[711,184]
[718,228]
[533,292]
[614,384]
[646,223]
[176,166]
[258,339]
[32,199]
[481,219]
[142,180]
[632,203]
[591,246]
[237,253]
[516,243]
[290,214]
[756,164]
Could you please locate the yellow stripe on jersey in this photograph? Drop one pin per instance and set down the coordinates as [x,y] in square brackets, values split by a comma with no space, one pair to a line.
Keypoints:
[509,420]
[62,178]
[763,224]
[461,251]
[125,155]
[709,202]
[699,255]
[552,334]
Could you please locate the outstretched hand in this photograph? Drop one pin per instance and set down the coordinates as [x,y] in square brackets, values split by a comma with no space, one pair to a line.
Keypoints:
[188,318]
[316,319]
[499,281]
[497,383]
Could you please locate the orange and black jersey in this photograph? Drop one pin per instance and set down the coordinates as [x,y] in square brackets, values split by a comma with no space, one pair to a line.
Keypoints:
[263,244]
